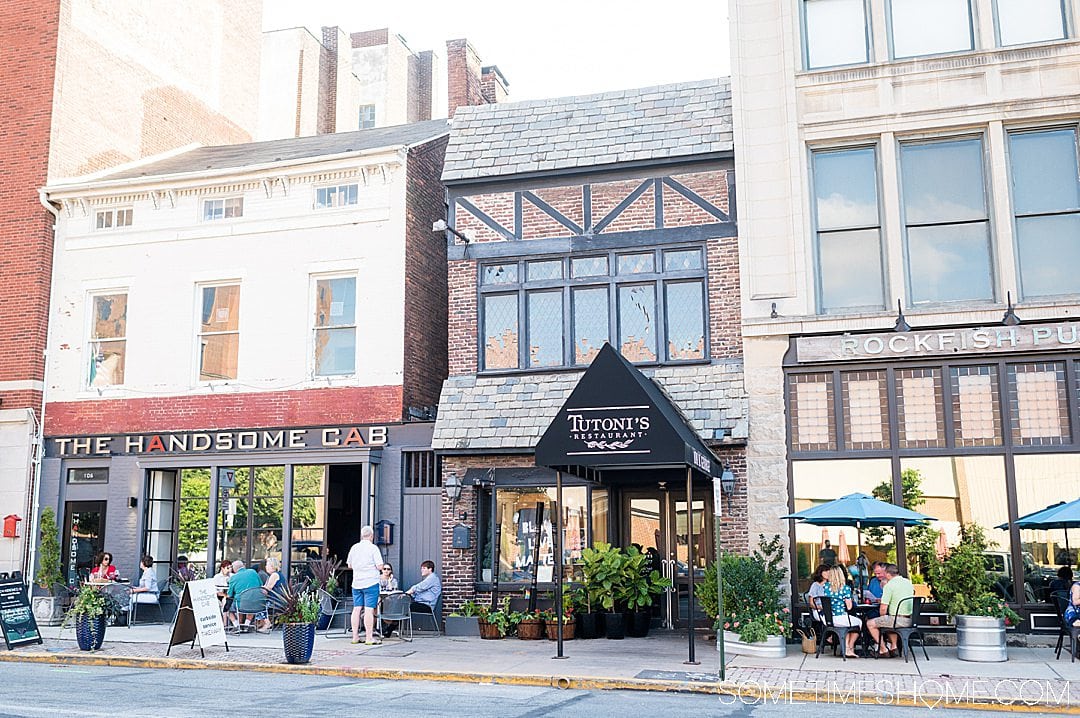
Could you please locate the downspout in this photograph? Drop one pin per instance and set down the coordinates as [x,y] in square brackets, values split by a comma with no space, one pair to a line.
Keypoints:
[39,439]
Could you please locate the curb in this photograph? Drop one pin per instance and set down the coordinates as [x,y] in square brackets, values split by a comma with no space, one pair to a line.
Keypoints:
[729,692]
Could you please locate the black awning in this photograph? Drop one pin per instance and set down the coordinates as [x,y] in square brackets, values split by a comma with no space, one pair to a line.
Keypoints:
[616,417]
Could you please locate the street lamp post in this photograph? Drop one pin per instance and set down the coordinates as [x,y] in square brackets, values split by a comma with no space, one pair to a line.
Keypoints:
[724,484]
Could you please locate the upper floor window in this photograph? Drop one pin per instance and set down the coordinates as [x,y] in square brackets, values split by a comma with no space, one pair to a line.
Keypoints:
[930,27]
[335,326]
[835,33]
[559,312]
[336,196]
[1046,207]
[367,116]
[225,208]
[946,222]
[1018,22]
[113,217]
[108,339]
[219,332]
[849,256]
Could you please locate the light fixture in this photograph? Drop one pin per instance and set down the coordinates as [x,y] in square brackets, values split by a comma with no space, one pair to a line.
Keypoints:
[1010,319]
[727,480]
[132,502]
[453,487]
[773,314]
[901,323]
[440,225]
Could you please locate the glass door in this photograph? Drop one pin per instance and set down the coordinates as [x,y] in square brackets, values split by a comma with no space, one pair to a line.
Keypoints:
[84,538]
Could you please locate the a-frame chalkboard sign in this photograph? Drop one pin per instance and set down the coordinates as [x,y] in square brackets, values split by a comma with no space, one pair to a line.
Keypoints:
[16,619]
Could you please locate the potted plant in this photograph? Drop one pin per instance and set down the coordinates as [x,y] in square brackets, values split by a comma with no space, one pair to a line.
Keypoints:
[640,583]
[530,625]
[91,610]
[495,624]
[297,612]
[602,567]
[551,623]
[48,609]
[324,573]
[962,588]
[752,616]
[465,621]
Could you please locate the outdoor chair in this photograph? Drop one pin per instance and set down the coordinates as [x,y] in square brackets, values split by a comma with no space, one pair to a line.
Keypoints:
[824,606]
[813,616]
[334,606]
[1061,598]
[397,607]
[434,614]
[145,598]
[122,595]
[907,635]
[250,601]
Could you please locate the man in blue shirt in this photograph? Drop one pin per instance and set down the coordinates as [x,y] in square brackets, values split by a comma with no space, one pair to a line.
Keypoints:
[876,586]
[428,590]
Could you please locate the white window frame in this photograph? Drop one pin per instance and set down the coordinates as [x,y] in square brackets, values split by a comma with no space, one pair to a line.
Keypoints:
[91,340]
[805,36]
[313,304]
[360,117]
[199,333]
[972,35]
[339,187]
[224,200]
[114,214]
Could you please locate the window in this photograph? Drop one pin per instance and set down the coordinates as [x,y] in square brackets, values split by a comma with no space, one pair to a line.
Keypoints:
[834,33]
[219,332]
[1046,205]
[848,221]
[945,215]
[930,27]
[421,470]
[308,517]
[1022,21]
[159,537]
[338,196]
[227,208]
[650,314]
[112,218]
[108,340]
[335,326]
[367,116]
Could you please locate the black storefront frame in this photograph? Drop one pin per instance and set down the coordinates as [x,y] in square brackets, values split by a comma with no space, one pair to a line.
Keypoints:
[1006,449]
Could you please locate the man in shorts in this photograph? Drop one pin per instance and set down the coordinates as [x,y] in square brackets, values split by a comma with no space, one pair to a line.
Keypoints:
[366,563]
[893,608]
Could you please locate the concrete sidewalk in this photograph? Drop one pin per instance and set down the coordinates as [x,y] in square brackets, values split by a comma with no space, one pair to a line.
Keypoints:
[1031,679]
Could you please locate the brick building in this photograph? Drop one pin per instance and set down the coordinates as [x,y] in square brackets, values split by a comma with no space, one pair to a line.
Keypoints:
[347,81]
[277,309]
[579,222]
[88,86]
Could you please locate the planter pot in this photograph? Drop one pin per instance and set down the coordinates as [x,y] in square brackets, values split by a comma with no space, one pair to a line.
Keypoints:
[771,647]
[47,610]
[298,639]
[489,631]
[590,625]
[463,626]
[552,630]
[980,639]
[637,623]
[89,632]
[613,626]
[531,630]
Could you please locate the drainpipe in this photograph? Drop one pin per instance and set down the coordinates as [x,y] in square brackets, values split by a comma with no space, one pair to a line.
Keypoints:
[39,437]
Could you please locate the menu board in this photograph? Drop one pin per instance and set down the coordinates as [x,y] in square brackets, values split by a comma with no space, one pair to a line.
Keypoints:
[198,617]
[16,619]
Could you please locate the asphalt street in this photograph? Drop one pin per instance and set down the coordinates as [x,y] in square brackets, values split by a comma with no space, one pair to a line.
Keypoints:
[46,691]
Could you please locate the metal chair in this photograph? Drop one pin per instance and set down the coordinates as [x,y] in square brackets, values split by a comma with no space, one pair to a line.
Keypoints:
[145,598]
[1061,599]
[250,601]
[121,594]
[424,610]
[334,606]
[841,632]
[397,607]
[907,634]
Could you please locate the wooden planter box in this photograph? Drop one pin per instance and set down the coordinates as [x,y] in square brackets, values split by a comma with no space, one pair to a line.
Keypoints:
[463,626]
[552,630]
[771,647]
[531,630]
[489,631]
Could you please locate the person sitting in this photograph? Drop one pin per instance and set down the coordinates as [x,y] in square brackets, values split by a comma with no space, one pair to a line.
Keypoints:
[147,591]
[838,594]
[387,582]
[104,570]
[425,594]
[894,610]
[221,583]
[817,589]
[184,569]
[1072,608]
[1061,583]
[275,582]
[242,579]
[876,586]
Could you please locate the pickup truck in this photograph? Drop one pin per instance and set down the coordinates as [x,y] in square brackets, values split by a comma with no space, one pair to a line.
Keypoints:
[1036,578]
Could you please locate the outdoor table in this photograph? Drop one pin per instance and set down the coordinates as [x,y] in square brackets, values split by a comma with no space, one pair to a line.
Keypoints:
[865,611]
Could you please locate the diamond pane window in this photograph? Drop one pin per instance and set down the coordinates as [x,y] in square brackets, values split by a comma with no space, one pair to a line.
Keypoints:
[637,322]
[545,328]
[866,412]
[590,322]
[501,331]
[679,259]
[976,407]
[1037,403]
[637,263]
[685,320]
[813,426]
[538,271]
[589,266]
[500,273]
[919,408]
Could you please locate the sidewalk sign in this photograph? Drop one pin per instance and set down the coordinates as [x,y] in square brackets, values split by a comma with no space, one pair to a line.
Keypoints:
[16,619]
[199,617]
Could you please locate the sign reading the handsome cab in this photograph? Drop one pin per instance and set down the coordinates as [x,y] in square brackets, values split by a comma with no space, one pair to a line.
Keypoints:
[199,616]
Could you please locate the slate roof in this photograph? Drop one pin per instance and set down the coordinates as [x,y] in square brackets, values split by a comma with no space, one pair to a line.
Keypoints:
[512,412]
[221,157]
[662,122]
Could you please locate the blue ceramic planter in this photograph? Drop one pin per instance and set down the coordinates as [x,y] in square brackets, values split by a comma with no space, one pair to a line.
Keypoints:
[90,632]
[299,640]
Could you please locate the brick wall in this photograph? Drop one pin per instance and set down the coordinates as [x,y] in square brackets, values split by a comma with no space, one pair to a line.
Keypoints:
[425,362]
[425,68]
[307,407]
[328,81]
[734,534]
[725,298]
[463,72]
[370,38]
[461,319]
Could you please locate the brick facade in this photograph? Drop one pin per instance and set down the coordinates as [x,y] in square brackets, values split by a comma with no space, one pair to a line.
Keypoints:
[464,75]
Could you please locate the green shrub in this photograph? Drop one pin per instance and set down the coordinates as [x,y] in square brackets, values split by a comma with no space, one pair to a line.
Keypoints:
[48,552]
[753,599]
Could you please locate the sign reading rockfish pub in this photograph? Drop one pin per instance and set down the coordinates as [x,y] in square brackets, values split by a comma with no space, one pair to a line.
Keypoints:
[239,440]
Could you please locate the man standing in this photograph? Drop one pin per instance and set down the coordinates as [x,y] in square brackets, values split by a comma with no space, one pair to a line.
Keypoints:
[827,555]
[366,563]
[895,611]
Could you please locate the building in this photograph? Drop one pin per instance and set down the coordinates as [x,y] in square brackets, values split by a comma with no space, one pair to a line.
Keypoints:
[87,86]
[364,79]
[253,348]
[580,222]
[909,204]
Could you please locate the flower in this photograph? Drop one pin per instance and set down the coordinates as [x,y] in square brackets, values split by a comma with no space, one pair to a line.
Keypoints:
[727,626]
[787,610]
[736,624]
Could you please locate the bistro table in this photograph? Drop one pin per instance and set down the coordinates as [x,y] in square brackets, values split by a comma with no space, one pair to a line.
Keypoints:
[866,611]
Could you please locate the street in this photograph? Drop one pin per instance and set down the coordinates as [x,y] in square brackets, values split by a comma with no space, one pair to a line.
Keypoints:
[43,691]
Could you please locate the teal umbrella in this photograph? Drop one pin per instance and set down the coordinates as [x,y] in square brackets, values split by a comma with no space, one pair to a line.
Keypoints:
[1061,515]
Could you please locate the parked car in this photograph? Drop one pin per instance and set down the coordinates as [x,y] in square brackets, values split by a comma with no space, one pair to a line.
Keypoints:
[1036,578]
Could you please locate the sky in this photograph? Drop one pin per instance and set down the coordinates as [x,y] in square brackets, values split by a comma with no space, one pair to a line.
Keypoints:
[544,49]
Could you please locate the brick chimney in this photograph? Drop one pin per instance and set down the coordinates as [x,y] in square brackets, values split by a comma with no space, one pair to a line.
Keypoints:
[493,84]
[464,76]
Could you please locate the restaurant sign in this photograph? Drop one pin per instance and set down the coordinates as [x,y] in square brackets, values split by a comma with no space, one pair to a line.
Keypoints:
[229,441]
[938,342]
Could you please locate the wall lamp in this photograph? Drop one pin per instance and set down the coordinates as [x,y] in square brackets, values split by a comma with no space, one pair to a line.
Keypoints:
[453,487]
[901,323]
[727,481]
[132,502]
[440,225]
[1010,319]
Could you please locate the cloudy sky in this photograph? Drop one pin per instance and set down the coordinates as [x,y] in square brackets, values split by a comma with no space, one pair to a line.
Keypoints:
[545,49]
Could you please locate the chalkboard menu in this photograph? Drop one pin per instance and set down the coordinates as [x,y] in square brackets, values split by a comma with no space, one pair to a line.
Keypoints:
[16,619]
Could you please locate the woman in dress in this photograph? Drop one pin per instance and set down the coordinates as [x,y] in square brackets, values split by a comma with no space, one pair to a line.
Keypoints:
[103,568]
[838,594]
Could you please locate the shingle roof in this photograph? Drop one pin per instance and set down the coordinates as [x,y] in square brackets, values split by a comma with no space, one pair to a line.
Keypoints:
[294,148]
[662,122]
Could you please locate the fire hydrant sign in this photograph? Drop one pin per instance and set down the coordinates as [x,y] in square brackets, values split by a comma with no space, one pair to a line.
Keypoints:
[199,616]
[16,619]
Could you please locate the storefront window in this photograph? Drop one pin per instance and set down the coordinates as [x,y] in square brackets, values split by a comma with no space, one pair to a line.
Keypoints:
[160,525]
[192,528]
[813,427]
[1039,411]
[866,409]
[308,516]
[1042,480]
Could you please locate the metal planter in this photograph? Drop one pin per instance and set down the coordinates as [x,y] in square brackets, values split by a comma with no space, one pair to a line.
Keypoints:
[981,639]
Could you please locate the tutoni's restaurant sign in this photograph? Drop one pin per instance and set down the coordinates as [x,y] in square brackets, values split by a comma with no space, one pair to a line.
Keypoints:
[938,342]
[235,440]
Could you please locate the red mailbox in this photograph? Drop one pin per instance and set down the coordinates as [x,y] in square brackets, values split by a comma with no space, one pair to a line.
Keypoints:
[11,526]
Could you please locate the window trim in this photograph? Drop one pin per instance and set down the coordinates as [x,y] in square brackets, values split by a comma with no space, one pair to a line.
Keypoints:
[868,40]
[313,305]
[972,36]
[360,117]
[612,280]
[331,207]
[197,344]
[90,340]
[114,213]
[223,199]
[1065,27]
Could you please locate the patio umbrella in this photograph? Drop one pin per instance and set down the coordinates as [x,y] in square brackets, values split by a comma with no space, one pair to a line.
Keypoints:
[942,546]
[824,536]
[1061,515]
[858,510]
[842,554]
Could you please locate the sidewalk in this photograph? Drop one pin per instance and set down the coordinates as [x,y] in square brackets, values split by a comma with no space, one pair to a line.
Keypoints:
[1030,680]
